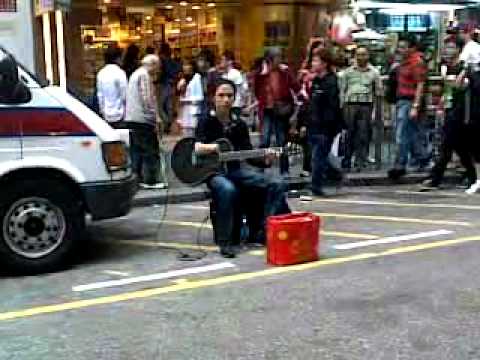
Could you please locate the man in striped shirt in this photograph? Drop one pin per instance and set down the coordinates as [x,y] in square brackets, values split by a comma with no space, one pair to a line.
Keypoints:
[411,76]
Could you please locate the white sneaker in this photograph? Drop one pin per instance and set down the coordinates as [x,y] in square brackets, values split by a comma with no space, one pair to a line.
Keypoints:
[474,188]
[157,186]
[305,173]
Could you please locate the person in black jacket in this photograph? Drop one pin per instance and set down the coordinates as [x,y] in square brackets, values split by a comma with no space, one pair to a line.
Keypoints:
[237,182]
[326,118]
[456,132]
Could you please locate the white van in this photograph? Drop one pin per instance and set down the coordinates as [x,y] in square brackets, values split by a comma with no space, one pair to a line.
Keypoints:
[58,162]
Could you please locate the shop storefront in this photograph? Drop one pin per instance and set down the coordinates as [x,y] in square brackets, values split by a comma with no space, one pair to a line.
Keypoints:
[428,20]
[248,27]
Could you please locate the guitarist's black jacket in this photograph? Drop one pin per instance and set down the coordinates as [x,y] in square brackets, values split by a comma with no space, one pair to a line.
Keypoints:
[210,129]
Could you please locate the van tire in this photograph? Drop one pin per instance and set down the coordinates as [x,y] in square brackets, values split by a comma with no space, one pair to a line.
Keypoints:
[41,223]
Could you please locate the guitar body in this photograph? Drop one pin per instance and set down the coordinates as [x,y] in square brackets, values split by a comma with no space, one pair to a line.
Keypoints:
[193,169]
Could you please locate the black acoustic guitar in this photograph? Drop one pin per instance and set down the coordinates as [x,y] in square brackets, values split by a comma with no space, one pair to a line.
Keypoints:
[193,169]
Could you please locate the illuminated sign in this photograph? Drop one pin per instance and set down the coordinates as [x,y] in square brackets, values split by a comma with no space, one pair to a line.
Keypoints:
[45,6]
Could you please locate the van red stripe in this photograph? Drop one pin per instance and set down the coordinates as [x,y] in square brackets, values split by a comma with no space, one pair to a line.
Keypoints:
[41,122]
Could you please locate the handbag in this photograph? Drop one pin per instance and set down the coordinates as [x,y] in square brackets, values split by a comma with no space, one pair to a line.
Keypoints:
[283,109]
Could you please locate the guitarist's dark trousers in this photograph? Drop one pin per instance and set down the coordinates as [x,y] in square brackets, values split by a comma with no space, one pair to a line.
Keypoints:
[227,190]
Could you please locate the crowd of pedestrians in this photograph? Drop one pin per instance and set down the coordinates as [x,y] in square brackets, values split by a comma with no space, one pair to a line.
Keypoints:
[328,101]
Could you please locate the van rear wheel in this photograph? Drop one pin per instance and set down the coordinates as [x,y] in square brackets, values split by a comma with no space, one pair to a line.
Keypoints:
[41,222]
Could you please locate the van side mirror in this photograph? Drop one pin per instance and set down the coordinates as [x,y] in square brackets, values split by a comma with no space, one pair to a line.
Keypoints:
[12,88]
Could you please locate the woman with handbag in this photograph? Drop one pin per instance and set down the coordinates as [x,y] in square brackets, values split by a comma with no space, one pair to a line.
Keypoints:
[274,86]
[305,77]
[326,118]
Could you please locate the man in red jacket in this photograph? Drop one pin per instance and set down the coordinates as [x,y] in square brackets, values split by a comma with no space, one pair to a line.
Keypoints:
[411,76]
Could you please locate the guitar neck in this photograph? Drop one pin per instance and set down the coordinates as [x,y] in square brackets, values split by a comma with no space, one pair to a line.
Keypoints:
[244,154]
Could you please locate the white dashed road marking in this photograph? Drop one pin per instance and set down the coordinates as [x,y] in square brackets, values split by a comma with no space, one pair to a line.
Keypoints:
[391,239]
[153,277]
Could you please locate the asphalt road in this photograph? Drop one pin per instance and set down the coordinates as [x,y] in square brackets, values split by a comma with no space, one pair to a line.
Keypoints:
[398,279]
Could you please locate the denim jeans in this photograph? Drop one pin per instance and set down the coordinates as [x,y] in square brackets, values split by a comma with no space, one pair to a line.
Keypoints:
[228,189]
[410,137]
[321,145]
[145,153]
[279,127]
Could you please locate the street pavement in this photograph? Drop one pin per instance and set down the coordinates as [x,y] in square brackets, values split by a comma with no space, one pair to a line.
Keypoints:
[398,279]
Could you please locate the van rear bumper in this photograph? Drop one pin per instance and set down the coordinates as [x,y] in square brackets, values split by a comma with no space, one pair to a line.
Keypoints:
[109,199]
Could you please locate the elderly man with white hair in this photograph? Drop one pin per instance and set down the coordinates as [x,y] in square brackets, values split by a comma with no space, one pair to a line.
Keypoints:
[144,122]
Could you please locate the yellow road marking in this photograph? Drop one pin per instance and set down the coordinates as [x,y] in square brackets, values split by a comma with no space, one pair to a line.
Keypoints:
[399,204]
[349,235]
[227,279]
[323,232]
[394,219]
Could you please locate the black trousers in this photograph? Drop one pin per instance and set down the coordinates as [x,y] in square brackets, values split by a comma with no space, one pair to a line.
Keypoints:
[145,153]
[455,138]
[358,117]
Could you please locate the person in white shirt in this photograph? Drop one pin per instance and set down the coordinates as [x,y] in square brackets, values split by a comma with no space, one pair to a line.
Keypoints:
[470,54]
[191,98]
[112,88]
[228,71]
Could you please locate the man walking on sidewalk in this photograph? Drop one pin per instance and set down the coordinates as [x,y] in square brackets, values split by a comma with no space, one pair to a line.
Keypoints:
[412,74]
[168,77]
[143,120]
[455,130]
[360,86]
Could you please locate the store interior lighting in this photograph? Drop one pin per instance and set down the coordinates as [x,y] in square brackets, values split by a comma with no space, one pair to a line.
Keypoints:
[183,3]
[189,19]
[169,7]
[402,12]
[196,7]
[407,7]
[211,4]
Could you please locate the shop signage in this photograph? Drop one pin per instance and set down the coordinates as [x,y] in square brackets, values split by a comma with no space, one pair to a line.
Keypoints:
[45,6]
[8,5]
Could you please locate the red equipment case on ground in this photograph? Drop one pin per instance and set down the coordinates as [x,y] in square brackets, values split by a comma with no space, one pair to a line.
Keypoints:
[293,238]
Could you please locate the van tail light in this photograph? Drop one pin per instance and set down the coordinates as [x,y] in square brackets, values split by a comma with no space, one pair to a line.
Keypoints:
[115,155]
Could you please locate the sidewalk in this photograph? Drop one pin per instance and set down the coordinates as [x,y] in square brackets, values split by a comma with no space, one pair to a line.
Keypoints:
[183,194]
[179,193]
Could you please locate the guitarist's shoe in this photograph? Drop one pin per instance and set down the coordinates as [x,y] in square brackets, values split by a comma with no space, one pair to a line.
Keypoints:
[157,186]
[227,252]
